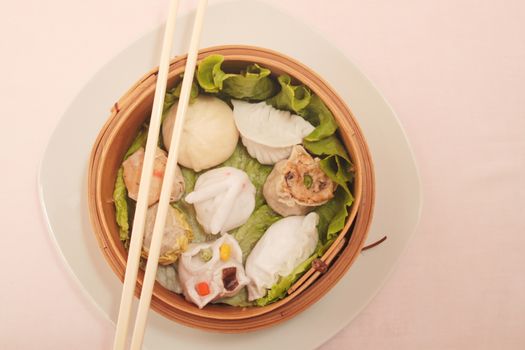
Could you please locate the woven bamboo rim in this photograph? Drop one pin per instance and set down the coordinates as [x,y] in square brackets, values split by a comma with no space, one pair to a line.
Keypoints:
[126,118]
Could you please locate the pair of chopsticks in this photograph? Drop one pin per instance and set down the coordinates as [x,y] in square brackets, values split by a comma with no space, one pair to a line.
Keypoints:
[137,234]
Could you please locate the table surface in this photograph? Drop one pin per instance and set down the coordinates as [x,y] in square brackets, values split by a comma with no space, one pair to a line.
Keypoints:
[454,71]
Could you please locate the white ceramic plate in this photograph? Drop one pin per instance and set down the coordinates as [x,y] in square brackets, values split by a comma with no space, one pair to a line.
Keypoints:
[63,193]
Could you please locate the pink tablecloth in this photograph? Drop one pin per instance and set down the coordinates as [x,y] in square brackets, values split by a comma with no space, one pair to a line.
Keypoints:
[454,71]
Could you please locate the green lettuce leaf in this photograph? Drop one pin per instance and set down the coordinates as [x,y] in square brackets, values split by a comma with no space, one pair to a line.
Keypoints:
[293,98]
[337,164]
[139,141]
[249,234]
[173,95]
[120,192]
[210,75]
[120,195]
[194,93]
[253,83]
[256,171]
[328,146]
[338,170]
[199,235]
[190,177]
[323,247]
[320,116]
[169,100]
[298,99]
[278,291]
[332,216]
[240,299]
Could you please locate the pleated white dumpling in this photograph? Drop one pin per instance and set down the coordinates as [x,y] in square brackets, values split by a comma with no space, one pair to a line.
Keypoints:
[212,270]
[269,133]
[224,198]
[286,244]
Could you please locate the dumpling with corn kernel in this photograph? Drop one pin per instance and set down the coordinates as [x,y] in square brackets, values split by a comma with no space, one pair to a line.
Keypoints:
[212,270]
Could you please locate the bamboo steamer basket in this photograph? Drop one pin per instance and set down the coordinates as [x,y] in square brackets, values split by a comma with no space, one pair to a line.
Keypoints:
[126,118]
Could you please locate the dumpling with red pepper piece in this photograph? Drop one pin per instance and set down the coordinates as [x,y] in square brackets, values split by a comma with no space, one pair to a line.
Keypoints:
[212,270]
[133,171]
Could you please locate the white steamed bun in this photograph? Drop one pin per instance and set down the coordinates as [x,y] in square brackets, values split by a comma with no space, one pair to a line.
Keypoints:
[209,136]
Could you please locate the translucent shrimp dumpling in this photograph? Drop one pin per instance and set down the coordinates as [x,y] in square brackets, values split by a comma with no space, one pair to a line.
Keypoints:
[286,244]
[168,277]
[269,133]
[209,135]
[223,198]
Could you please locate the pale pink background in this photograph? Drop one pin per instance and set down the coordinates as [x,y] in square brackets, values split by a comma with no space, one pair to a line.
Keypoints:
[453,70]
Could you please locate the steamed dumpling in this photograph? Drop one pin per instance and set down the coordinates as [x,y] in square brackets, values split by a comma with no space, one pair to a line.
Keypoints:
[265,154]
[224,198]
[269,133]
[168,277]
[212,270]
[297,185]
[209,136]
[176,237]
[133,170]
[286,244]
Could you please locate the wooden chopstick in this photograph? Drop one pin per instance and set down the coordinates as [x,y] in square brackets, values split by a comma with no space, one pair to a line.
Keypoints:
[167,183]
[137,233]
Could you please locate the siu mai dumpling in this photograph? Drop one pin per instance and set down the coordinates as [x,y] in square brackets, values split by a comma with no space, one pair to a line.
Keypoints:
[212,270]
[224,198]
[269,133]
[176,237]
[286,244]
[133,171]
[297,185]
